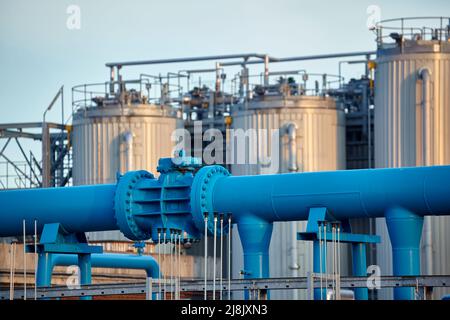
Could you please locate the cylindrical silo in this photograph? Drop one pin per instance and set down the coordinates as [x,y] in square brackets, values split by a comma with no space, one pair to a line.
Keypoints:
[116,138]
[412,122]
[311,137]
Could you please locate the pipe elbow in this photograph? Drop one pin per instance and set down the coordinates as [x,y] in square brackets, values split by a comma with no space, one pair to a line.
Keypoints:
[424,73]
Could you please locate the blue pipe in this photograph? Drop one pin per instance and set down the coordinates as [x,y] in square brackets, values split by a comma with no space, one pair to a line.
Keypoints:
[405,230]
[97,260]
[78,209]
[360,268]
[255,237]
[141,206]
[113,260]
[346,194]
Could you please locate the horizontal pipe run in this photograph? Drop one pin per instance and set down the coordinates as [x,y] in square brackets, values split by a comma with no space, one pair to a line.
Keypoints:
[112,260]
[187,59]
[302,58]
[346,194]
[77,209]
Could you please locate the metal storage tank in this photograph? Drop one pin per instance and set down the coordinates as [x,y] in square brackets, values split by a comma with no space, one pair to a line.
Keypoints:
[115,137]
[319,145]
[412,122]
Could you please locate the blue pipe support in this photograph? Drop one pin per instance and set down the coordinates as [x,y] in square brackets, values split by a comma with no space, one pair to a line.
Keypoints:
[319,266]
[360,268]
[405,230]
[84,263]
[255,236]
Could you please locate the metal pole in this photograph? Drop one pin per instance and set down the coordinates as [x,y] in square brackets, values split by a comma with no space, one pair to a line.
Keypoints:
[171,264]
[160,264]
[326,259]
[339,259]
[229,257]
[24,261]
[320,260]
[164,274]
[214,259]
[35,259]
[221,255]
[12,265]
[179,265]
[148,288]
[334,262]
[206,255]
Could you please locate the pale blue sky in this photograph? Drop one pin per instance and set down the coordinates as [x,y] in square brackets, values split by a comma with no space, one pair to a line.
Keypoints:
[38,53]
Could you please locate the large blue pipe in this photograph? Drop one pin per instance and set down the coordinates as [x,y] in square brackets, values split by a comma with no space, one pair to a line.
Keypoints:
[346,194]
[78,209]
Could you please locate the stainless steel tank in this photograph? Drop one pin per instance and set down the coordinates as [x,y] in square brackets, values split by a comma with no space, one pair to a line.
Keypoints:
[112,137]
[412,121]
[311,138]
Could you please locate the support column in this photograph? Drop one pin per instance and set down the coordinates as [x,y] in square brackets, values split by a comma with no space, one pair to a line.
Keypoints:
[317,269]
[84,263]
[405,230]
[360,268]
[255,237]
[44,269]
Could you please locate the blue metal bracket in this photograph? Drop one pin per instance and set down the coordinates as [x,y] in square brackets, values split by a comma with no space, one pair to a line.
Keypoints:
[315,216]
[344,237]
[55,239]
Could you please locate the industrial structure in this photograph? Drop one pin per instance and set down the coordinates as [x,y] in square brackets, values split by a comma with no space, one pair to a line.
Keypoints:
[248,182]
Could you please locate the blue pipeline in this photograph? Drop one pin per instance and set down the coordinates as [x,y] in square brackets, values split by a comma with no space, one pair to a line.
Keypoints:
[78,209]
[113,260]
[141,206]
[346,194]
[102,260]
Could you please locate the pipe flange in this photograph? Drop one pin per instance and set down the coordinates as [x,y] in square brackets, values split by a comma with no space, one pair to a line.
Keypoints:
[124,205]
[202,196]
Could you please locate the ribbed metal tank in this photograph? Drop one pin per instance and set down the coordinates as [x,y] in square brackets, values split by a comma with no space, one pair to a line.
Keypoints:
[320,144]
[401,138]
[114,139]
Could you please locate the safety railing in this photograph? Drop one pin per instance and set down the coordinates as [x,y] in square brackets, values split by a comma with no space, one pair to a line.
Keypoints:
[390,32]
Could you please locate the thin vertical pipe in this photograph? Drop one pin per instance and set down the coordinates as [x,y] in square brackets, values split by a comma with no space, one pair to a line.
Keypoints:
[339,259]
[179,266]
[164,274]
[171,264]
[326,259]
[160,265]
[12,264]
[214,259]
[229,257]
[206,256]
[320,260]
[35,259]
[24,261]
[221,255]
